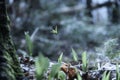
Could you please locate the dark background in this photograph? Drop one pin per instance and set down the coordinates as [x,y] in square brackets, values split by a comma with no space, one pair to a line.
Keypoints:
[82,25]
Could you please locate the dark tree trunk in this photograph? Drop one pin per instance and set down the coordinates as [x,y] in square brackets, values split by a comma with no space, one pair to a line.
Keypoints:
[89,6]
[9,65]
[116,12]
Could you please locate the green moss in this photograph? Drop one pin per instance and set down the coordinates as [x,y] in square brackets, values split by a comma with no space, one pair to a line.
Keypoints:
[9,69]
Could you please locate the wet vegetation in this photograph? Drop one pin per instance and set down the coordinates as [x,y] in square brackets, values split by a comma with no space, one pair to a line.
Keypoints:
[64,39]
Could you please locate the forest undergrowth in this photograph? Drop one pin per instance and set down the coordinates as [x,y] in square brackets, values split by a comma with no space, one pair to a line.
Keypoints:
[103,64]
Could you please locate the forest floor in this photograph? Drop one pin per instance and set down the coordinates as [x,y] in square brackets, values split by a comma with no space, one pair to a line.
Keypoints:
[93,72]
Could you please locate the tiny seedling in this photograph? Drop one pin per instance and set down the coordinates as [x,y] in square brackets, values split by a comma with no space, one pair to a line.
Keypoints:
[84,61]
[78,75]
[117,72]
[54,71]
[74,54]
[60,58]
[41,66]
[106,76]
[29,43]
[55,31]
[61,75]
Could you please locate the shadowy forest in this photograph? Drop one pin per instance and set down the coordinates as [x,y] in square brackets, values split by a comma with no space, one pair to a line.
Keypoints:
[79,29]
[81,24]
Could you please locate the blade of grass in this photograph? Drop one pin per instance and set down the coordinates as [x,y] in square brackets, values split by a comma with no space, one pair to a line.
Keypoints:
[106,76]
[84,61]
[60,58]
[78,75]
[29,43]
[74,54]
[117,72]
[61,75]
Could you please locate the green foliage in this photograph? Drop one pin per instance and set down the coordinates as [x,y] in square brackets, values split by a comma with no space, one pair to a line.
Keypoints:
[60,58]
[84,61]
[54,71]
[111,48]
[29,43]
[117,72]
[106,76]
[55,31]
[41,65]
[74,54]
[61,75]
[78,75]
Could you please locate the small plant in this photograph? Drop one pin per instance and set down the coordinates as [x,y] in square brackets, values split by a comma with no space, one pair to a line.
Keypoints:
[54,71]
[60,58]
[106,76]
[61,75]
[29,43]
[41,66]
[74,54]
[55,31]
[117,72]
[84,61]
[78,75]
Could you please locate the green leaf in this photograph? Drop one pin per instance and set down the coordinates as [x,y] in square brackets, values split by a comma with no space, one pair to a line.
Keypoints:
[84,61]
[41,65]
[74,54]
[55,31]
[60,58]
[29,43]
[54,71]
[106,76]
[117,72]
[79,77]
[61,75]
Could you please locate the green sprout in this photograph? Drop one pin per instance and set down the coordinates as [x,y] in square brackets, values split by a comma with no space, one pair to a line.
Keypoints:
[61,75]
[78,74]
[41,65]
[54,71]
[106,76]
[84,61]
[74,54]
[29,43]
[55,31]
[60,58]
[117,72]
[79,77]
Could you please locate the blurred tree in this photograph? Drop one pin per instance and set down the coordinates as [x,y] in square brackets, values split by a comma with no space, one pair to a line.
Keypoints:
[89,6]
[115,12]
[9,65]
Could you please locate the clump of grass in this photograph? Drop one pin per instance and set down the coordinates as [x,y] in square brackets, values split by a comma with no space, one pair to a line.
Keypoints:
[29,43]
[84,59]
[41,66]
